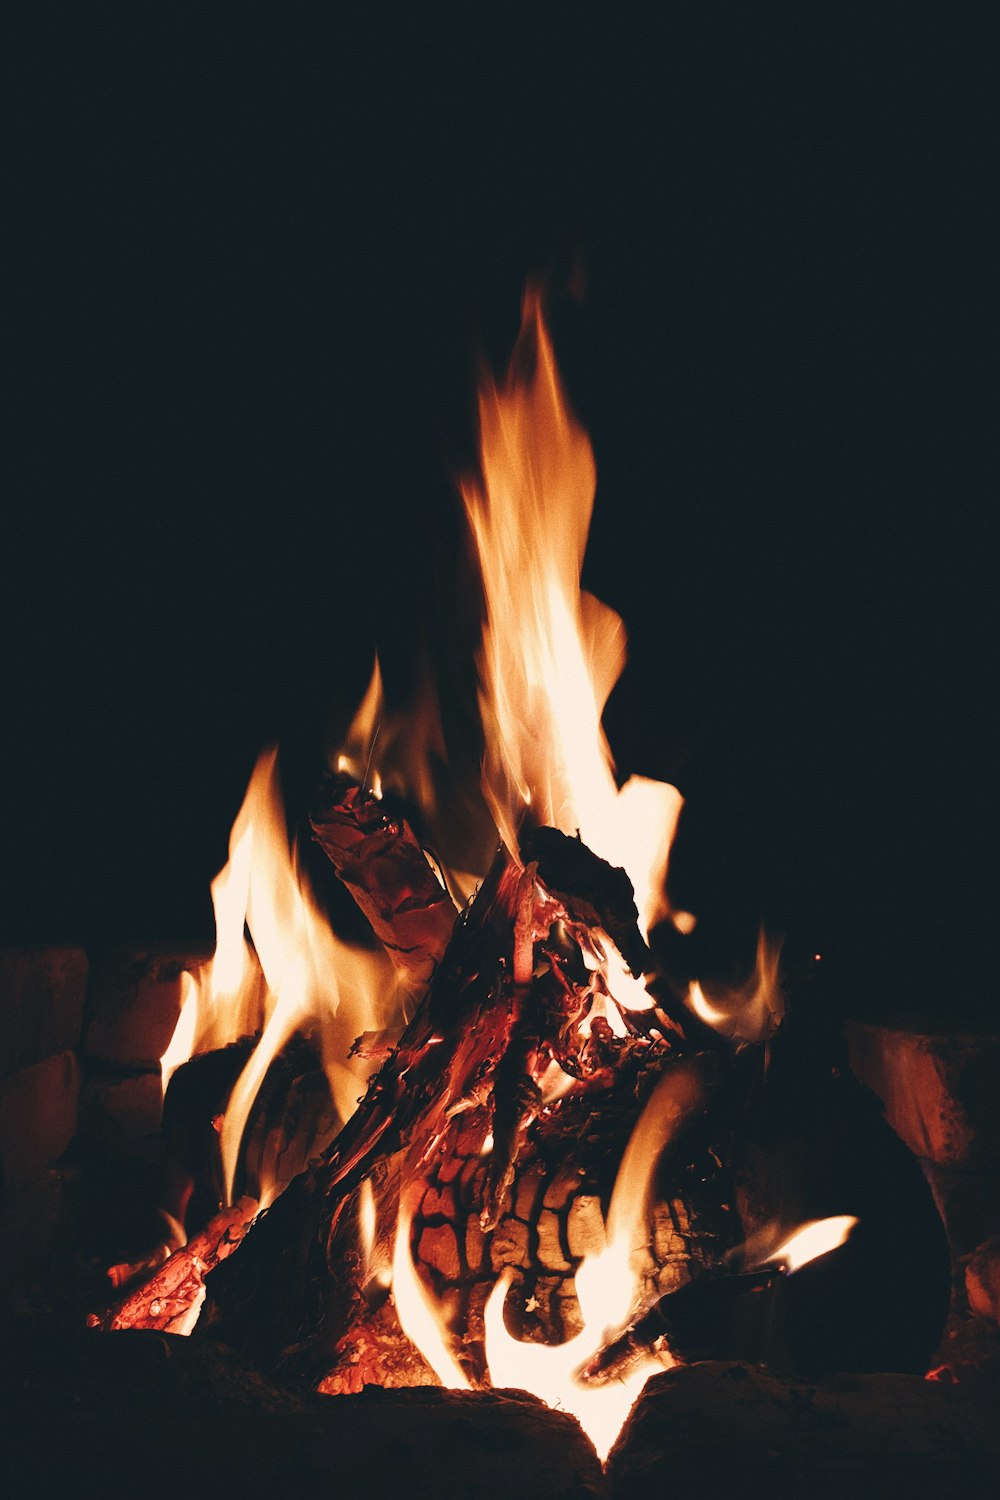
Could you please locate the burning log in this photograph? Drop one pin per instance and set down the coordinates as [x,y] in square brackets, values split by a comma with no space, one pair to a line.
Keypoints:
[171,1299]
[501,1114]
[378,857]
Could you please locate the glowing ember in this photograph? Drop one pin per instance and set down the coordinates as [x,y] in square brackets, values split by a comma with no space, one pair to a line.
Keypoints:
[606,1285]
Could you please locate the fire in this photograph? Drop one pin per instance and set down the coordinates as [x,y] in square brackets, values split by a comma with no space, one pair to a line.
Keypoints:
[607,1285]
[812,1240]
[550,657]
[749,1012]
[417,1315]
[551,653]
[293,975]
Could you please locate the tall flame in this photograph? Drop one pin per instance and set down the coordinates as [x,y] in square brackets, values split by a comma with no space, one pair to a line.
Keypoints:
[296,976]
[551,653]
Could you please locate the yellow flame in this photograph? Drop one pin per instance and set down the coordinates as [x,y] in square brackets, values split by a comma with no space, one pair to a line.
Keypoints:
[607,1284]
[749,1012]
[551,653]
[813,1240]
[395,750]
[417,1315]
[297,976]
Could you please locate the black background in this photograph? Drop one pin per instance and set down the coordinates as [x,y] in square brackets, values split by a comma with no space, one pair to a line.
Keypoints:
[252,264]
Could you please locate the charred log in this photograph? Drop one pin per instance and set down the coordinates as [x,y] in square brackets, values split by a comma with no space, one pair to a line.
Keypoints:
[506,1104]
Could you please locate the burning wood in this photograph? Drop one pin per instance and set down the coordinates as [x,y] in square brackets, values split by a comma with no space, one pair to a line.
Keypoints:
[506,1105]
[171,1299]
[516,1127]
[379,859]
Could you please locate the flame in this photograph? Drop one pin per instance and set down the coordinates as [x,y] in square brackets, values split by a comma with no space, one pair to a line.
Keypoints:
[813,1240]
[551,654]
[297,975]
[396,751]
[750,1012]
[417,1315]
[607,1284]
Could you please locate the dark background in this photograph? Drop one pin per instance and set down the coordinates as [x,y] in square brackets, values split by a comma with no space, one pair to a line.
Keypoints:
[252,264]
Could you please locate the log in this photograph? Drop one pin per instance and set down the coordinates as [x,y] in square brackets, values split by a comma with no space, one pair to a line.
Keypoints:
[170,1300]
[505,1171]
[378,857]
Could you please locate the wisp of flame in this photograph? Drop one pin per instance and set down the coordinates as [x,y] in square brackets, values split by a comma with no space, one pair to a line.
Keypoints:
[551,653]
[296,976]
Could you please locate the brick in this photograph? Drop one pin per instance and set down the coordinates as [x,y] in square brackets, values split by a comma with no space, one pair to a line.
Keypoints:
[42,993]
[38,1116]
[133,1006]
[123,1115]
[941,1093]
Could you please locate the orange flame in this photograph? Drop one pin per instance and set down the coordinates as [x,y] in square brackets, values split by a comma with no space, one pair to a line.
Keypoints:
[551,654]
[417,1315]
[297,976]
[750,1012]
[607,1284]
[813,1240]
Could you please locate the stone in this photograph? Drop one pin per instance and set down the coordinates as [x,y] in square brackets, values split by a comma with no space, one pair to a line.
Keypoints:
[39,1232]
[982,1280]
[941,1094]
[42,994]
[969,1205]
[156,1414]
[133,1006]
[123,1115]
[717,1428]
[38,1117]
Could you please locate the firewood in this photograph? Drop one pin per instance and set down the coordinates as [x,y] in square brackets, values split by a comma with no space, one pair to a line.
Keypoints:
[169,1301]
[507,1176]
[378,857]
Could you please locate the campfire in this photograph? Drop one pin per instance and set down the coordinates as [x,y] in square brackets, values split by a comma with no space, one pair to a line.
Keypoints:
[488,1146]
